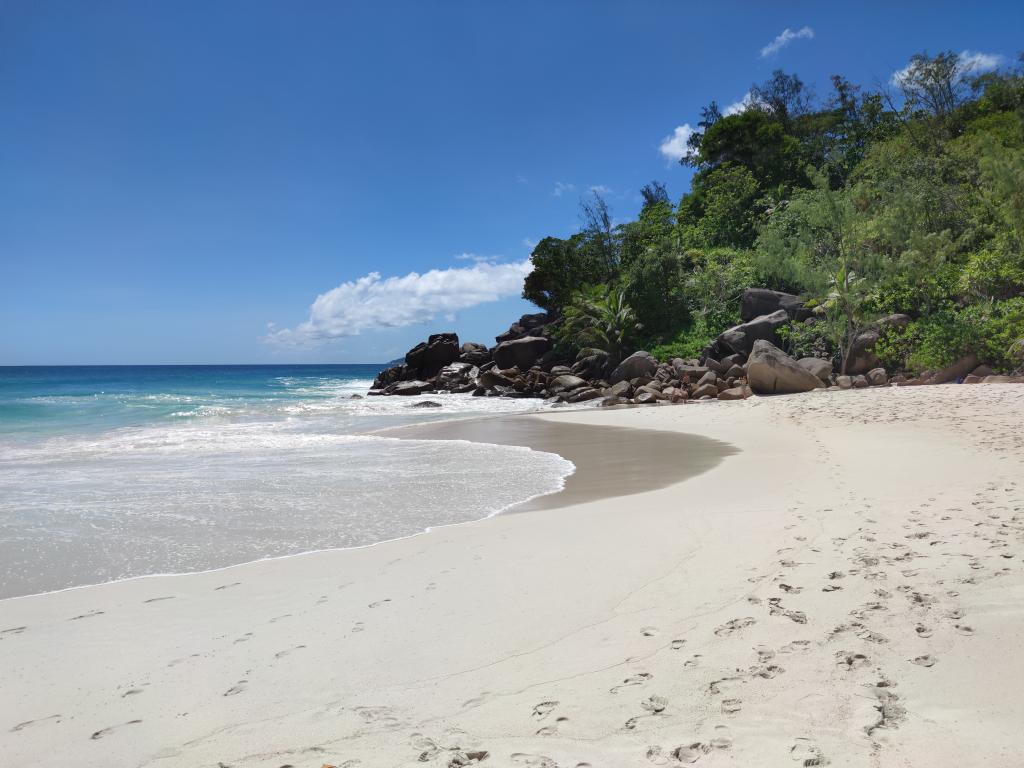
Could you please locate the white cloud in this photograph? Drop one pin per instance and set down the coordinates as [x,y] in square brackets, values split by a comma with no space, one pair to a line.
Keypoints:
[970,63]
[784,38]
[974,62]
[477,258]
[529,244]
[739,106]
[600,189]
[561,187]
[673,148]
[373,302]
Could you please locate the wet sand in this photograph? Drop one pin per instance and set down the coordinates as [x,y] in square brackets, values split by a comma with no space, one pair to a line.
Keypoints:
[610,461]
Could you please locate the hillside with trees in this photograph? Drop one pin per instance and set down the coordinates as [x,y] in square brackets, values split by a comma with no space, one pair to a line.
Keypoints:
[866,203]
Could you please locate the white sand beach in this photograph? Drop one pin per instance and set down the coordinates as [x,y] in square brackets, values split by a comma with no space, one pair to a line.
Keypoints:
[845,588]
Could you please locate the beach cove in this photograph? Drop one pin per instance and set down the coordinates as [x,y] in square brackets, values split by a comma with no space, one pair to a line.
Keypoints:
[842,586]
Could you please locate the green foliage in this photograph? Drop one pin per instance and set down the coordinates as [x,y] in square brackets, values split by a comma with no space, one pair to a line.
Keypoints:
[994,330]
[654,285]
[721,210]
[560,267]
[689,342]
[864,207]
[599,316]
[813,339]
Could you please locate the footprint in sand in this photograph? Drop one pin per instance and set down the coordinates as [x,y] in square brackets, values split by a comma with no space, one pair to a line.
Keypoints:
[87,615]
[925,661]
[964,629]
[226,586]
[735,625]
[677,644]
[103,732]
[795,646]
[649,631]
[476,701]
[690,753]
[722,738]
[851,661]
[379,603]
[244,638]
[638,679]
[30,723]
[731,706]
[807,753]
[542,710]
[159,599]
[714,687]
[923,631]
[654,704]
[767,672]
[532,761]
[237,688]
[552,730]
[12,631]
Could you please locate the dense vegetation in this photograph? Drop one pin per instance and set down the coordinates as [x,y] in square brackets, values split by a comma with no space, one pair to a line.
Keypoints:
[863,207]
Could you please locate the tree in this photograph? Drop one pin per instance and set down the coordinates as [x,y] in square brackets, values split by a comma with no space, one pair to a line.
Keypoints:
[936,85]
[599,232]
[781,95]
[599,316]
[721,210]
[757,141]
[821,243]
[653,284]
[559,268]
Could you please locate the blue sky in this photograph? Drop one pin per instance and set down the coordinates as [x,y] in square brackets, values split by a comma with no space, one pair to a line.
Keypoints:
[175,177]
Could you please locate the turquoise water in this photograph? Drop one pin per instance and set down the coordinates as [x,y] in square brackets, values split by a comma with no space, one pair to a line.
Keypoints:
[114,472]
[62,399]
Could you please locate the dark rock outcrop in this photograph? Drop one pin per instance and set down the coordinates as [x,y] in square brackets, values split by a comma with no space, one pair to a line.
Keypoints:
[638,364]
[474,354]
[740,339]
[414,387]
[763,301]
[427,358]
[521,353]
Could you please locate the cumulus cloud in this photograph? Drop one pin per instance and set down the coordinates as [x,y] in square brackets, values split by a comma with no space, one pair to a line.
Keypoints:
[561,187]
[673,147]
[975,62]
[740,106]
[784,38]
[600,189]
[970,63]
[373,302]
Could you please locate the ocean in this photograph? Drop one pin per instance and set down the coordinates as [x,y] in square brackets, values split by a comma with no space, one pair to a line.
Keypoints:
[113,472]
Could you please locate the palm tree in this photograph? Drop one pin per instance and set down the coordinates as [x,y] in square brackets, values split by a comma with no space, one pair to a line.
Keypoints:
[598,316]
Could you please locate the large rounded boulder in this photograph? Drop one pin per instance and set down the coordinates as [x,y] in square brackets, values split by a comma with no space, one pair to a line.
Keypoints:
[638,364]
[770,371]
[763,301]
[521,353]
[741,338]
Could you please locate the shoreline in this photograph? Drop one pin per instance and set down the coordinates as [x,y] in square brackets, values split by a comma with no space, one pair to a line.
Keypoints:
[686,622]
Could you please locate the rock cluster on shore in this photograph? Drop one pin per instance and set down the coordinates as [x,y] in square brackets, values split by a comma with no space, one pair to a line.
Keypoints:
[742,361]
